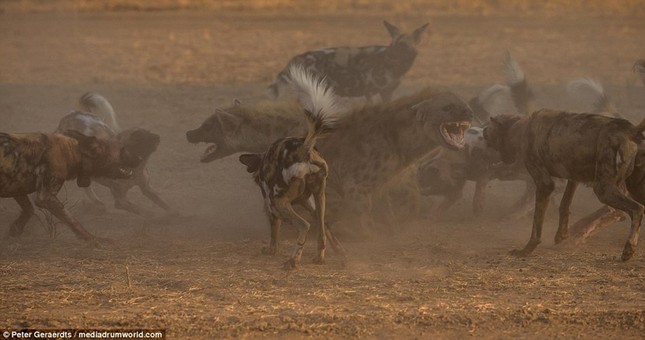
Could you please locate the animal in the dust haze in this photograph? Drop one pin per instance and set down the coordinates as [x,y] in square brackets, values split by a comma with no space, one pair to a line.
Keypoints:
[359,71]
[99,120]
[293,171]
[581,148]
[40,163]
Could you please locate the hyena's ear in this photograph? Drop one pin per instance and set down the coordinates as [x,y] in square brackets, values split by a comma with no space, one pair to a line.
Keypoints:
[227,121]
[420,110]
[237,102]
[252,161]
[416,35]
[394,31]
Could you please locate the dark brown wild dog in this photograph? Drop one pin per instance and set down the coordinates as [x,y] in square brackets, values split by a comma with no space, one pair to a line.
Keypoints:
[292,170]
[99,120]
[40,163]
[581,148]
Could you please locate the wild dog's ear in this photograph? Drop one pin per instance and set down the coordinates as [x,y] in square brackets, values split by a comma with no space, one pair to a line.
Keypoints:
[89,146]
[227,121]
[252,161]
[416,35]
[394,31]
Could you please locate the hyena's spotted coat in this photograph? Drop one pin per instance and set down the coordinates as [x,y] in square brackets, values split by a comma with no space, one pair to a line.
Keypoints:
[292,170]
[359,71]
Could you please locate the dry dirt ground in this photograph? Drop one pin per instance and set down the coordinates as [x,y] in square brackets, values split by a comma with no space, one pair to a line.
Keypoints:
[199,273]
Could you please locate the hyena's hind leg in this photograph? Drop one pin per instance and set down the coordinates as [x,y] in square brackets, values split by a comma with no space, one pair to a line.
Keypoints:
[27,211]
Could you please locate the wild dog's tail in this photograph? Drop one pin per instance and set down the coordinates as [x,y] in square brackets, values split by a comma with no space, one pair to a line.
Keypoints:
[588,90]
[319,102]
[101,107]
[516,80]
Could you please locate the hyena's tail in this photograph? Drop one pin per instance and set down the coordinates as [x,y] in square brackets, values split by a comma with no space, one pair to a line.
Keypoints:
[521,93]
[590,91]
[319,102]
[99,106]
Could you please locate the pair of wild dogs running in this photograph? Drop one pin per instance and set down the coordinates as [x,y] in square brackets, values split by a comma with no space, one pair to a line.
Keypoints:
[85,147]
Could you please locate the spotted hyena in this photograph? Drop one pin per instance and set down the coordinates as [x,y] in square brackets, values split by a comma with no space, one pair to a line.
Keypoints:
[359,71]
[293,171]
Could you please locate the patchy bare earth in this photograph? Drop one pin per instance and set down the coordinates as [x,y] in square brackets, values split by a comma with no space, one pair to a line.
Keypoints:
[199,272]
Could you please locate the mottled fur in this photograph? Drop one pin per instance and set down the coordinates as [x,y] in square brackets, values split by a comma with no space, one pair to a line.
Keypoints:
[581,148]
[359,71]
[40,163]
[292,170]
[139,142]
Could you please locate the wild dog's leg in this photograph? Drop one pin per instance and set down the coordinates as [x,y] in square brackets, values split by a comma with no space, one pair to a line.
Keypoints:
[479,197]
[544,187]
[333,241]
[27,211]
[285,210]
[275,222]
[143,182]
[565,204]
[319,198]
[121,201]
[47,200]
[610,194]
[600,218]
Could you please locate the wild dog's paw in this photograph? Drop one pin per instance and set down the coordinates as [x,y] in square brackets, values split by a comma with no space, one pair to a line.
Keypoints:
[291,264]
[559,237]
[628,252]
[519,252]
[269,250]
[320,259]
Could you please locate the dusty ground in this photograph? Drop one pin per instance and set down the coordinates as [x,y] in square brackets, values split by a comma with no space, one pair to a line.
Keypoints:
[199,272]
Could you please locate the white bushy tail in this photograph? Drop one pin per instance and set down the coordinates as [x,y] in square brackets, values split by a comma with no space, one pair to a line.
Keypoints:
[101,107]
[318,100]
[590,91]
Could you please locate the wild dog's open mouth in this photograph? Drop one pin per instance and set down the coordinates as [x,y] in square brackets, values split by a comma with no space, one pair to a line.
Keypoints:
[453,133]
[209,154]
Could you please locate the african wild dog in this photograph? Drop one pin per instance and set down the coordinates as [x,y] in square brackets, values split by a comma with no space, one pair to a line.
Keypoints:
[373,144]
[137,141]
[359,71]
[40,163]
[587,148]
[292,170]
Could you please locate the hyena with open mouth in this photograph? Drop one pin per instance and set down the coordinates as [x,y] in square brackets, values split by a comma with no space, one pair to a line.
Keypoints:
[359,71]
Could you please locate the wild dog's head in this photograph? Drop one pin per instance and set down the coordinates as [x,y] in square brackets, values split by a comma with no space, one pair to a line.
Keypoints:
[219,130]
[445,118]
[139,143]
[102,158]
[497,136]
[405,44]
